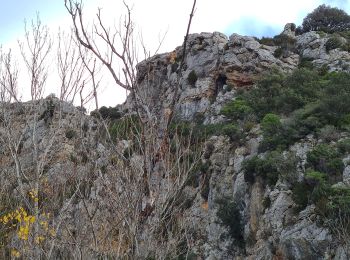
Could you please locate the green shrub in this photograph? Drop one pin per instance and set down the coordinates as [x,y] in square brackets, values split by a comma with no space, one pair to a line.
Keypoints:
[282,93]
[345,47]
[328,133]
[268,169]
[285,42]
[278,52]
[111,113]
[327,19]
[339,205]
[344,146]
[192,78]
[273,133]
[70,134]
[324,158]
[345,121]
[236,109]
[230,216]
[267,41]
[315,177]
[306,63]
[233,132]
[270,123]
[333,43]
[126,128]
[307,99]
[301,193]
[334,103]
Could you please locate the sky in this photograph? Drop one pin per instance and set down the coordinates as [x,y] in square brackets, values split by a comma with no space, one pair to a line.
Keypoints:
[156,18]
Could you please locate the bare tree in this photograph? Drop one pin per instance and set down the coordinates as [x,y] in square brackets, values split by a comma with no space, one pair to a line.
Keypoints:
[154,178]
[131,205]
[29,134]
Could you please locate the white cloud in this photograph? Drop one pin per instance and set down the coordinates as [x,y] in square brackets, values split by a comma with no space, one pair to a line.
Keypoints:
[155,17]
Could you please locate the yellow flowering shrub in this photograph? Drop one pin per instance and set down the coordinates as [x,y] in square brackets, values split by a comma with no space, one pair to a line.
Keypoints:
[19,218]
[21,223]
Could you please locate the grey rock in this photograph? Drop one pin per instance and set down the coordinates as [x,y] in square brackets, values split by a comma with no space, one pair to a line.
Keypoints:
[289,30]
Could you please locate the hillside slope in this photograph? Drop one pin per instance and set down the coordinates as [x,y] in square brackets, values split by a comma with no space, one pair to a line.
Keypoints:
[258,165]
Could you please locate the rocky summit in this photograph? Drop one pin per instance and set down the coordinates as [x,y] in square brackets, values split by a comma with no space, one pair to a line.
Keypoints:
[257,166]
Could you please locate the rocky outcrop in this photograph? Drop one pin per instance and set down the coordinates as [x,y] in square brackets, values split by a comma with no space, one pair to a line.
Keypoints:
[216,68]
[312,46]
[219,65]
[289,30]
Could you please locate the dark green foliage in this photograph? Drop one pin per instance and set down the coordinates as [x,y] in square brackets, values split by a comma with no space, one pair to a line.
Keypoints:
[278,52]
[334,106]
[313,189]
[230,216]
[333,43]
[236,109]
[306,63]
[301,193]
[192,78]
[125,128]
[270,122]
[267,41]
[111,113]
[328,133]
[293,27]
[251,168]
[70,134]
[327,19]
[327,159]
[272,129]
[233,132]
[344,146]
[277,135]
[268,169]
[286,44]
[332,203]
[280,93]
[308,99]
[203,132]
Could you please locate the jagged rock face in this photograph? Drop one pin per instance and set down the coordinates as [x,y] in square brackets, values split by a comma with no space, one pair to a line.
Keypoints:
[218,64]
[221,64]
[270,232]
[311,45]
[221,67]
[289,30]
